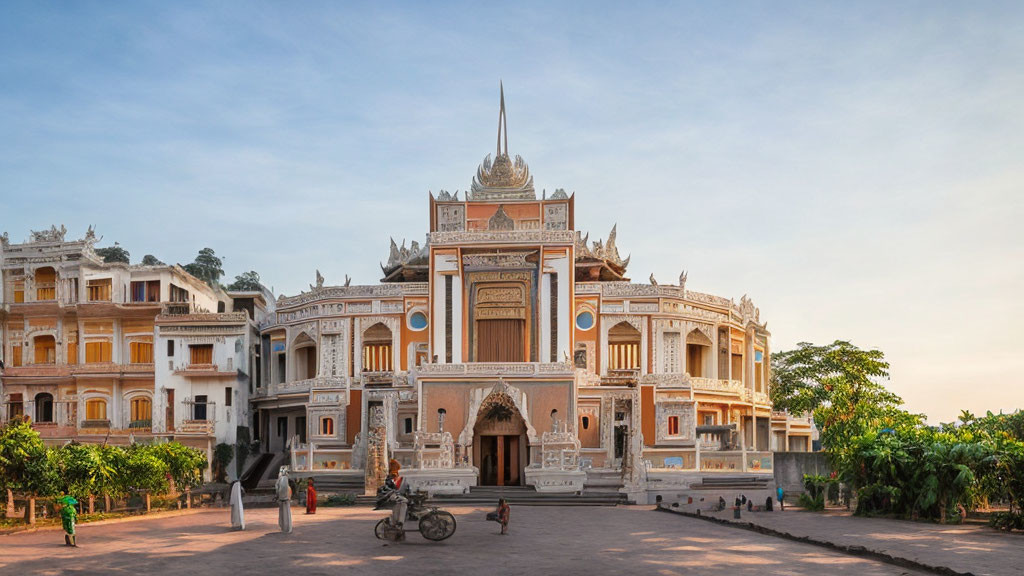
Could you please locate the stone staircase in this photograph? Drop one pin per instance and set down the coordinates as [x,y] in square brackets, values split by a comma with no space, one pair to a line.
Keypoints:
[523,496]
[607,483]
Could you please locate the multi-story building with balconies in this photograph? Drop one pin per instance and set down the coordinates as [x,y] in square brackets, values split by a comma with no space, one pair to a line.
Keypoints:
[86,347]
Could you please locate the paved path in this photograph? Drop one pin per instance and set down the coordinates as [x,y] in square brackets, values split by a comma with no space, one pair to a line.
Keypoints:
[543,540]
[966,549]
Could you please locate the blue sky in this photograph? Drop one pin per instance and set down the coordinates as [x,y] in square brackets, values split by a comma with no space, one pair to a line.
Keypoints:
[855,168]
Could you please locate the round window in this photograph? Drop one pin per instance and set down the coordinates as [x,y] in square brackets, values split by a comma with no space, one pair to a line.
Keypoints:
[418,321]
[585,320]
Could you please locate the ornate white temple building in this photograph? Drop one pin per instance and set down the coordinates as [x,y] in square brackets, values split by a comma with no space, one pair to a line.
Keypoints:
[508,349]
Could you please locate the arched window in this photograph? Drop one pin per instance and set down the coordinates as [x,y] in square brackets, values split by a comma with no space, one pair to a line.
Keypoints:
[377,349]
[96,409]
[304,353]
[441,412]
[45,350]
[46,283]
[44,407]
[142,411]
[327,426]
[623,347]
[585,421]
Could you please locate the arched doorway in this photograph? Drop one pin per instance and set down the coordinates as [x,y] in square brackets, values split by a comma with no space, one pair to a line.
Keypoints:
[499,442]
[44,407]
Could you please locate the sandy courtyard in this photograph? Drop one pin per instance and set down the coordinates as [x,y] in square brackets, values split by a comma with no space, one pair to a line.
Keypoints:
[543,540]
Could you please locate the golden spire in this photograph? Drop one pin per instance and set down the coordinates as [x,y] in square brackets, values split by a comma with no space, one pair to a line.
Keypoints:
[502,122]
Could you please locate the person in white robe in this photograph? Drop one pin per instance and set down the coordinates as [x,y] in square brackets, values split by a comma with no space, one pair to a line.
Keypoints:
[284,502]
[237,513]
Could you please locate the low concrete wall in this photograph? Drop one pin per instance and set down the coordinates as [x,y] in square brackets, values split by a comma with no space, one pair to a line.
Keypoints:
[790,468]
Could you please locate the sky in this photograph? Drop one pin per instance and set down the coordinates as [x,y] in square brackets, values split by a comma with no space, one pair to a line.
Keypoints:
[855,168]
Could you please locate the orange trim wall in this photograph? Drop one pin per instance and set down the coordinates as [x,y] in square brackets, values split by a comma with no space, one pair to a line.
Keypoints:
[648,424]
[353,415]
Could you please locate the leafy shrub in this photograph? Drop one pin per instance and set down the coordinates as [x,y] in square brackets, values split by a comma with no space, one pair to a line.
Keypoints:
[1007,521]
[346,499]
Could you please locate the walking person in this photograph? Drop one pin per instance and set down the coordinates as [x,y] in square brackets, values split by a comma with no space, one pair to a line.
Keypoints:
[237,512]
[503,511]
[284,501]
[68,518]
[310,498]
[781,494]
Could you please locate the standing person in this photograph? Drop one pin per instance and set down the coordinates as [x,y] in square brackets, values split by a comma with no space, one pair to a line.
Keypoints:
[68,516]
[237,512]
[781,494]
[310,498]
[284,501]
[504,511]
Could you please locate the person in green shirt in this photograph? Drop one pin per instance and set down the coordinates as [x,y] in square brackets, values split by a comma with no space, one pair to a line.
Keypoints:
[68,516]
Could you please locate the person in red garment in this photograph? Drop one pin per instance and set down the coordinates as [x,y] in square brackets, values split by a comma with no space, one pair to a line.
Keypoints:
[310,498]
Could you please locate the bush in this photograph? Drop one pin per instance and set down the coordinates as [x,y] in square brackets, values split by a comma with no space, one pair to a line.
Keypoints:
[346,499]
[1007,521]
[222,455]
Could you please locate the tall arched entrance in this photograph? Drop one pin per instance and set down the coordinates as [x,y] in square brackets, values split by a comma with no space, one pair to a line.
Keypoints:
[500,442]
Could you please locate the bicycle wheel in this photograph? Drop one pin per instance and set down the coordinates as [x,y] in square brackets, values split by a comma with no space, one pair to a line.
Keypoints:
[437,525]
[378,530]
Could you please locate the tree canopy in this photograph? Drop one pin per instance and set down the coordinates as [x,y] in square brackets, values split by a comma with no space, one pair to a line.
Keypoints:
[114,253]
[841,385]
[207,267]
[150,260]
[246,281]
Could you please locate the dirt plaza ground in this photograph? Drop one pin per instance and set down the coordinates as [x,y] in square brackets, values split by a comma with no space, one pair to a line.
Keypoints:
[543,540]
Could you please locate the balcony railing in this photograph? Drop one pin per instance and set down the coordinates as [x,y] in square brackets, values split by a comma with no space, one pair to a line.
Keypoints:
[715,385]
[621,377]
[301,386]
[494,369]
[46,292]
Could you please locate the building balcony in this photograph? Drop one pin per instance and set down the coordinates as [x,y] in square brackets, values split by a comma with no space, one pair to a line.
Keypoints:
[200,427]
[498,369]
[629,378]
[384,379]
[94,426]
[205,371]
[731,387]
[111,368]
[38,371]
[301,386]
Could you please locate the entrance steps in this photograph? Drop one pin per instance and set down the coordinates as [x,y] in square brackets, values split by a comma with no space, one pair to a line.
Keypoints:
[603,482]
[523,496]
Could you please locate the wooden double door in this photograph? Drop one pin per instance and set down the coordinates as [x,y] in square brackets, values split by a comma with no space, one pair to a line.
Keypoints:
[501,460]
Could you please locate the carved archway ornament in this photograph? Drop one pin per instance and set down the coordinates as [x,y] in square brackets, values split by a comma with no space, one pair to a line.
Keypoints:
[500,393]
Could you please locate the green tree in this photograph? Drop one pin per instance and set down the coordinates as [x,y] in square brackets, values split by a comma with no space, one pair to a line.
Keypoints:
[25,465]
[222,455]
[114,253]
[207,267]
[150,260]
[246,281]
[842,386]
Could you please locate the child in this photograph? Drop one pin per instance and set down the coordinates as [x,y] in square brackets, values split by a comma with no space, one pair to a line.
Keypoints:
[310,498]
[68,515]
[503,513]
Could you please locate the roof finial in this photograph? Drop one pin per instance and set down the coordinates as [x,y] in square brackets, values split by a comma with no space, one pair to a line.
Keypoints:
[502,122]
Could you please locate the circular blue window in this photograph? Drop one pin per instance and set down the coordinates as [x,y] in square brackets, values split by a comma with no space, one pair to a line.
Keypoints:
[585,320]
[418,321]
